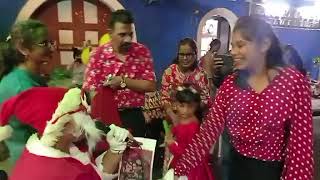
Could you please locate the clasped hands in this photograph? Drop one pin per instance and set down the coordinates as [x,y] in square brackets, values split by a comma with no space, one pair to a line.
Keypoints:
[112,81]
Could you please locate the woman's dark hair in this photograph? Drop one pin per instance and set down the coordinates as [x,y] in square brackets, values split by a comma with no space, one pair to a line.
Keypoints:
[188,94]
[3,175]
[255,29]
[76,53]
[192,43]
[292,57]
[122,16]
[28,33]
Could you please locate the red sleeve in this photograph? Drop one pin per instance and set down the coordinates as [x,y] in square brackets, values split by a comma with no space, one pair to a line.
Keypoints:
[91,80]
[299,162]
[201,143]
[175,149]
[148,73]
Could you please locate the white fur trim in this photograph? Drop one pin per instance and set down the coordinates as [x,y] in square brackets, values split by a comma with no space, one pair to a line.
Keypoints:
[85,103]
[86,123]
[35,146]
[99,163]
[53,131]
[70,102]
[5,132]
[106,176]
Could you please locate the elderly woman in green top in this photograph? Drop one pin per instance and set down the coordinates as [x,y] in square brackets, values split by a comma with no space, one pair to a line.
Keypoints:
[23,54]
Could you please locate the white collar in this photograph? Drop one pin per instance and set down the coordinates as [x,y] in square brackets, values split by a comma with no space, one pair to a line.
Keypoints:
[34,146]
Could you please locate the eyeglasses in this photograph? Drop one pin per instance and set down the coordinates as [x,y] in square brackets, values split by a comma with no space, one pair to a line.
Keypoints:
[187,55]
[47,43]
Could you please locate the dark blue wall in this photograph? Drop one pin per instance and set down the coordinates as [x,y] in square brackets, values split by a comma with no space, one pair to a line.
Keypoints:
[307,42]
[162,25]
[8,11]
[159,26]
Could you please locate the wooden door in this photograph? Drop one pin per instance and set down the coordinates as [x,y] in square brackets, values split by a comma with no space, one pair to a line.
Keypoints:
[71,23]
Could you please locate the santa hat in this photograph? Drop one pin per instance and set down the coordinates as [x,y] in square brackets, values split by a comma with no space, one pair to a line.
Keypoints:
[48,110]
[33,107]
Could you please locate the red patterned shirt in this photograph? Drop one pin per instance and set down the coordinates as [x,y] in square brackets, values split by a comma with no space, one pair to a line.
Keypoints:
[173,77]
[274,125]
[138,65]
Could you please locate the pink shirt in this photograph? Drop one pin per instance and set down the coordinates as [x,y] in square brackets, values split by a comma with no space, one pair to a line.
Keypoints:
[138,65]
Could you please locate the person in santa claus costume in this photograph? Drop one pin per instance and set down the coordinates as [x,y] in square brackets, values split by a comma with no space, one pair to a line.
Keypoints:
[61,119]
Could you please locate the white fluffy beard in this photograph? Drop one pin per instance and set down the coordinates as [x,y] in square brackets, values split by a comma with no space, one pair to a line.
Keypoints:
[86,125]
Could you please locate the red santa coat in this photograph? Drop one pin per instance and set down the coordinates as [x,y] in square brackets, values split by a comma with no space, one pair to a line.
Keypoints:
[39,162]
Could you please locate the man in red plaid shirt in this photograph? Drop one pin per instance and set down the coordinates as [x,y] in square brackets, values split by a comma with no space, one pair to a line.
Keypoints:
[126,67]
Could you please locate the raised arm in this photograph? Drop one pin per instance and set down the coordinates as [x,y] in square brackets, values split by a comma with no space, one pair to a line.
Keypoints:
[202,141]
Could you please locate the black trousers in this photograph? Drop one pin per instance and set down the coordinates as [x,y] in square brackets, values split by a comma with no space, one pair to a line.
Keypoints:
[133,119]
[244,168]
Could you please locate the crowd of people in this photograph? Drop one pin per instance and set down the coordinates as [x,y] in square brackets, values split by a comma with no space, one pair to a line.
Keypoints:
[261,105]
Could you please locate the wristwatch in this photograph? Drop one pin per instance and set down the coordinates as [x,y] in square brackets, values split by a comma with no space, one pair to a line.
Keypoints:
[123,82]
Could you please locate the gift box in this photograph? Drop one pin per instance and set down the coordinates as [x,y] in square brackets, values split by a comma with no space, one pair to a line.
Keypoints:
[137,162]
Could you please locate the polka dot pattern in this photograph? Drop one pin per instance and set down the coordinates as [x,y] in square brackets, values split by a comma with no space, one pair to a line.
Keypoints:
[274,125]
[138,65]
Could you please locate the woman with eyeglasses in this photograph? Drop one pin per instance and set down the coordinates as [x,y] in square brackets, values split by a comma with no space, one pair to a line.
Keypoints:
[266,109]
[184,69]
[22,57]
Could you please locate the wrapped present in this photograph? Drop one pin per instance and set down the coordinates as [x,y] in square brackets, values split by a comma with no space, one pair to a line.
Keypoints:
[137,162]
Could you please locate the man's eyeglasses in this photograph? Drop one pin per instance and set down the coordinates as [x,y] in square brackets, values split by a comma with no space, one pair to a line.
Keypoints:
[187,55]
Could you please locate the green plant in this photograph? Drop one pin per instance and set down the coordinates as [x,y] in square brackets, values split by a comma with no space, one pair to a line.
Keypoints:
[60,73]
[61,77]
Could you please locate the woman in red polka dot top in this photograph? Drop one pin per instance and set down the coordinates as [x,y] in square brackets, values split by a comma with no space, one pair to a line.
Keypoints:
[265,108]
